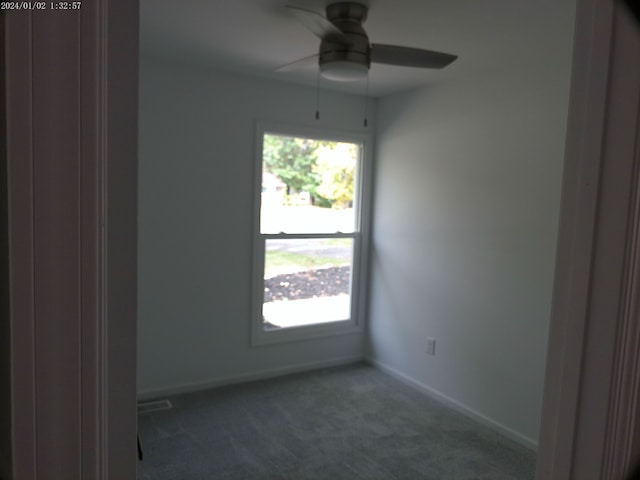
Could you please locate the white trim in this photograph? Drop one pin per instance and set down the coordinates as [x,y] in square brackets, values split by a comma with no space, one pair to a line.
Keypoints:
[586,413]
[83,425]
[455,405]
[362,197]
[623,149]
[575,238]
[293,236]
[21,236]
[317,133]
[152,394]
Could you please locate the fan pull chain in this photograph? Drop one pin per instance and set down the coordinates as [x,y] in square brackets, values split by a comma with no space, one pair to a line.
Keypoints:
[318,96]
[366,102]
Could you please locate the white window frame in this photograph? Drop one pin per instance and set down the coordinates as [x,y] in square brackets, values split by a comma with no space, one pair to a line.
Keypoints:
[359,265]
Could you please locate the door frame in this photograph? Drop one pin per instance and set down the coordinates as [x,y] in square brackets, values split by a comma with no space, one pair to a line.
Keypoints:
[71,159]
[590,409]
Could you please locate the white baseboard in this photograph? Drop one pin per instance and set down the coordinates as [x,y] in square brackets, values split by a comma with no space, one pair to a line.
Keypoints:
[455,405]
[152,394]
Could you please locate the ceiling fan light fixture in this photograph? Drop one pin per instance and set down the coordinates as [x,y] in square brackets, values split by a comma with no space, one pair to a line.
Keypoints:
[344,71]
[345,52]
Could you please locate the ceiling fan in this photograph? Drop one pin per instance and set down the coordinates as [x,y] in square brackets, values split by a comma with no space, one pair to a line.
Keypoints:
[345,52]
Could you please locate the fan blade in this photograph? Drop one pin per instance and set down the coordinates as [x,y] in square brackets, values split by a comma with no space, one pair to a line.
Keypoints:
[319,25]
[300,63]
[409,57]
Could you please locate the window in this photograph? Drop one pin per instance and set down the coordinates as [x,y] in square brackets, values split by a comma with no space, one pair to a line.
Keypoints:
[309,234]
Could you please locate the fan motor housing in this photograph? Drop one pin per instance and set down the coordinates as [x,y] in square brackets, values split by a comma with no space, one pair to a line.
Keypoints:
[347,10]
[348,17]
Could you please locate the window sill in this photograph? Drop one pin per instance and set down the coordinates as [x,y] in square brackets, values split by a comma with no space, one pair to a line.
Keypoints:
[260,336]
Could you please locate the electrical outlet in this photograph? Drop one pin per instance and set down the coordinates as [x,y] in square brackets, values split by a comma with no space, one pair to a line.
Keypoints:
[431,346]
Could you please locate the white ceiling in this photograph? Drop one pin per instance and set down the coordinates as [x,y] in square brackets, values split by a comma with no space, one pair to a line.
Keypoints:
[255,37]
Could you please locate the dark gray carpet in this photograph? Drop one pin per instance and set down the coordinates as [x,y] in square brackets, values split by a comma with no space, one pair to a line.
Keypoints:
[353,422]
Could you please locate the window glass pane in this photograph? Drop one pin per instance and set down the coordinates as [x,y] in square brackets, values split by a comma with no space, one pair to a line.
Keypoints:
[306,281]
[308,185]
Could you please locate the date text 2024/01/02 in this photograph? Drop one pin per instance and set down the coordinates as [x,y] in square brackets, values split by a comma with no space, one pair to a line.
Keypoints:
[40,5]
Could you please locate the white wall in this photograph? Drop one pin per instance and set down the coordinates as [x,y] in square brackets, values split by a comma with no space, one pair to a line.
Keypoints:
[197,131]
[465,224]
